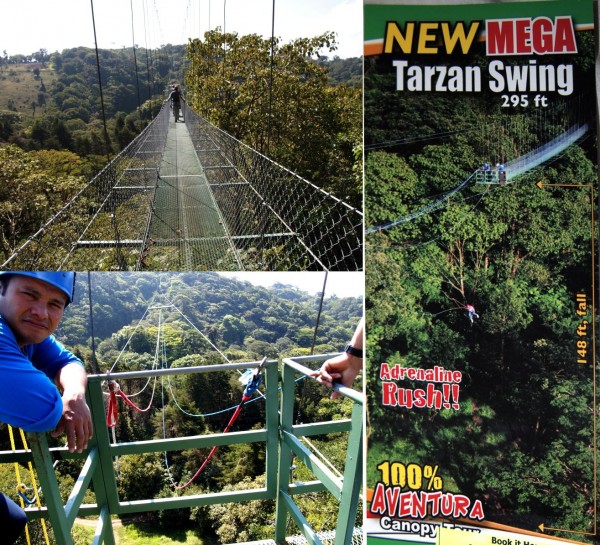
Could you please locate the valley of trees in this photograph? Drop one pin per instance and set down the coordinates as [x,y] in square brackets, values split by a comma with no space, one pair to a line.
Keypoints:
[51,103]
[246,323]
[523,440]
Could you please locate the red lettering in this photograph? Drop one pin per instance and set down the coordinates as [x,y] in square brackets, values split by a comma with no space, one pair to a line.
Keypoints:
[391,496]
[434,397]
[461,506]
[564,41]
[405,507]
[384,372]
[525,36]
[378,506]
[405,398]
[434,499]
[420,399]
[542,35]
[522,36]
[500,37]
[389,390]
[420,505]
[477,511]
[446,505]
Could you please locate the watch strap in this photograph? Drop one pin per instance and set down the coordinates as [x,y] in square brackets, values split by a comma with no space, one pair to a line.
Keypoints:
[353,351]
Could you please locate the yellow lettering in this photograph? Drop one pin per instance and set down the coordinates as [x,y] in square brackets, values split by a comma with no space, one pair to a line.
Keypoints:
[450,40]
[425,37]
[394,35]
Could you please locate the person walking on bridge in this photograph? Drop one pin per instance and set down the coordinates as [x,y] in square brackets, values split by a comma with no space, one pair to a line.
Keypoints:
[34,366]
[175,97]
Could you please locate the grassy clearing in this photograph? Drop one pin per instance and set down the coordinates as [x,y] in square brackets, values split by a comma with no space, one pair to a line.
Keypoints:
[142,534]
[138,533]
[19,88]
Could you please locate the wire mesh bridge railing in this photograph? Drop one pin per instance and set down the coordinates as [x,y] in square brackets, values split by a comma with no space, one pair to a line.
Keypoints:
[189,196]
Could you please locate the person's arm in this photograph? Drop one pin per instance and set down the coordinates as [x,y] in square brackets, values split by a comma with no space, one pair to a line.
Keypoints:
[28,399]
[76,421]
[345,367]
[68,373]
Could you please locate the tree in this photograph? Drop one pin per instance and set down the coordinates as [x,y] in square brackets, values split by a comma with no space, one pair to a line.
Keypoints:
[282,105]
[28,196]
[248,520]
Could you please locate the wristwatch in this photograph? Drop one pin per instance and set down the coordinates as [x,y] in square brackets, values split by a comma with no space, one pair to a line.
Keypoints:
[353,351]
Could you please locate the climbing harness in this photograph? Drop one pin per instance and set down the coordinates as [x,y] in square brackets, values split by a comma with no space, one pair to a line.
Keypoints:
[253,378]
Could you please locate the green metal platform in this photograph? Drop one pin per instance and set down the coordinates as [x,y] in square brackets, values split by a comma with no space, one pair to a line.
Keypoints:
[282,440]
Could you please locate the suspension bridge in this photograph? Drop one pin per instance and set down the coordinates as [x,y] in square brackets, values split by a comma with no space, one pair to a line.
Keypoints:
[526,153]
[188,196]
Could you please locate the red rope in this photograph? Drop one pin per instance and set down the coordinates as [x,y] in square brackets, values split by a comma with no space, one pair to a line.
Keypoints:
[132,404]
[214,449]
[113,411]
[112,414]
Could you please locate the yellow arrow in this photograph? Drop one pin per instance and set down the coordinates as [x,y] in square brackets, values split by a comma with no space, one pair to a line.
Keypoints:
[544,528]
[541,184]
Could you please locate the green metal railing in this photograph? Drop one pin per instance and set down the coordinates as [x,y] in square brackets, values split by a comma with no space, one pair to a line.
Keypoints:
[280,436]
[346,489]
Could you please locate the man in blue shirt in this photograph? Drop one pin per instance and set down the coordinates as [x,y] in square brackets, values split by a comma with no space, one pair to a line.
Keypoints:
[34,366]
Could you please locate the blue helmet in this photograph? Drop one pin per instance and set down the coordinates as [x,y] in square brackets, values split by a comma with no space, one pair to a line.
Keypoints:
[64,281]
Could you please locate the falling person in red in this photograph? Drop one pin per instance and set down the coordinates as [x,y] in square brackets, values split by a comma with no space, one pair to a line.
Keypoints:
[471,313]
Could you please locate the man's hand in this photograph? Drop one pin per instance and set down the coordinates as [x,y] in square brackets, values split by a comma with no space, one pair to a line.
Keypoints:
[342,369]
[76,421]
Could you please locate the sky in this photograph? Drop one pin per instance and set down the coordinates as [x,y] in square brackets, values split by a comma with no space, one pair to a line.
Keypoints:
[341,284]
[27,26]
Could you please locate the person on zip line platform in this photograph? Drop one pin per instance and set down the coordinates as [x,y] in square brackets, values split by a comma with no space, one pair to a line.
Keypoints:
[344,368]
[34,366]
[175,97]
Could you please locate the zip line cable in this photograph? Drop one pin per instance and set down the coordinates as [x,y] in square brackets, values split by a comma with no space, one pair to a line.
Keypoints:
[318,320]
[382,247]
[148,76]
[93,337]
[122,263]
[114,388]
[272,55]
[251,387]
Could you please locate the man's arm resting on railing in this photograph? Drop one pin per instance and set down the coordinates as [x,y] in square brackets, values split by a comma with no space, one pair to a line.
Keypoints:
[76,421]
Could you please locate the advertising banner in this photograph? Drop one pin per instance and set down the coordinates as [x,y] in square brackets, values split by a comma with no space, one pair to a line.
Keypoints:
[480,204]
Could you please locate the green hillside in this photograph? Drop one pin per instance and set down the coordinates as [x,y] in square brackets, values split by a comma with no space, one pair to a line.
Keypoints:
[25,89]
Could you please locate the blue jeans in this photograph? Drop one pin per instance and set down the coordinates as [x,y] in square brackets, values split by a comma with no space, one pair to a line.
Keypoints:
[12,520]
